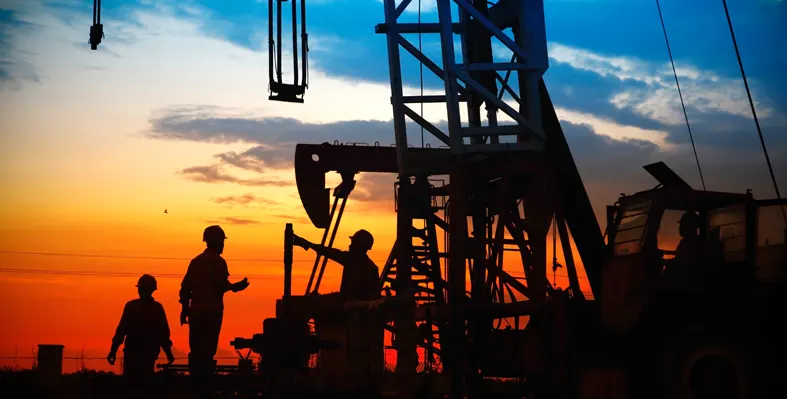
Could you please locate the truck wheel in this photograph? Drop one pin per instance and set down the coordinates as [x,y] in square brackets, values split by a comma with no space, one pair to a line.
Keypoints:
[705,366]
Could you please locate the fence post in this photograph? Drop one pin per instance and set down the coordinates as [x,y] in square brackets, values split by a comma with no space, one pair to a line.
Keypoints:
[50,363]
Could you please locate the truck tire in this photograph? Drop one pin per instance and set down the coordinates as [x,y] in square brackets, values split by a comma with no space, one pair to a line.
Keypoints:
[700,364]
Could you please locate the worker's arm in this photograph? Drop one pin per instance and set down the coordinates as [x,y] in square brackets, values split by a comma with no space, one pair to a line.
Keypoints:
[185,295]
[120,335]
[166,342]
[225,276]
[333,254]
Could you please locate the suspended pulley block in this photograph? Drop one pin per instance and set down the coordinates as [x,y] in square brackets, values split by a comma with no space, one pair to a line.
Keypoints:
[97,29]
[279,90]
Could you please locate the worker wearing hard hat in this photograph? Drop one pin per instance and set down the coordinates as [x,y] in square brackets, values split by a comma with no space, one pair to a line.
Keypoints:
[144,328]
[360,282]
[690,250]
[202,299]
[360,277]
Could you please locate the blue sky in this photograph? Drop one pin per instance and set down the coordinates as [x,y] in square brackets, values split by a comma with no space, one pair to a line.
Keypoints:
[609,77]
[698,32]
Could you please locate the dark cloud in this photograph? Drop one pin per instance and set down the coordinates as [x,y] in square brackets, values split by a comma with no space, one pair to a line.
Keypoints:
[206,124]
[375,190]
[247,160]
[214,174]
[255,159]
[245,199]
[608,167]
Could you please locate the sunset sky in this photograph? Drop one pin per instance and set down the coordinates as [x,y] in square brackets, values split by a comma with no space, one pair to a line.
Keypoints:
[172,113]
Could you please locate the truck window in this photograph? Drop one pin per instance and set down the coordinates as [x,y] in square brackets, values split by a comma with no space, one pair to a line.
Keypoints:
[770,225]
[731,225]
[669,231]
[769,256]
[631,229]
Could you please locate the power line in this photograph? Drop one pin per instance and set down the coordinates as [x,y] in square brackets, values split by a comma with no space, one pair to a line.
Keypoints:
[753,112]
[680,94]
[77,255]
[92,273]
[100,273]
[421,70]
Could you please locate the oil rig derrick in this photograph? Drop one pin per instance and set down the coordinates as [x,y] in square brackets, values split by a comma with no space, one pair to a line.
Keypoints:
[491,187]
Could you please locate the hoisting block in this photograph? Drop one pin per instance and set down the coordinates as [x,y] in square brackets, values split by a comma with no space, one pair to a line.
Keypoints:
[287,92]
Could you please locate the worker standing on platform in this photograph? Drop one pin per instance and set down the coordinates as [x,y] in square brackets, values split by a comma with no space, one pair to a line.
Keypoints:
[360,282]
[144,328]
[202,299]
[360,277]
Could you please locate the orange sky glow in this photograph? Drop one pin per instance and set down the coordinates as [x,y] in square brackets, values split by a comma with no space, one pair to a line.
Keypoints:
[82,311]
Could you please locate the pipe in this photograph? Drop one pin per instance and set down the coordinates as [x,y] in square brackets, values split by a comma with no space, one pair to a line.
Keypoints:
[288,236]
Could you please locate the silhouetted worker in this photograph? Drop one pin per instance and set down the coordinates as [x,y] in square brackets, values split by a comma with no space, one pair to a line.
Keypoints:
[144,328]
[202,297]
[360,277]
[360,282]
[690,250]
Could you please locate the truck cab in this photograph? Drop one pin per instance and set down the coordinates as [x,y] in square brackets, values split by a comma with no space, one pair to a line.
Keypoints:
[665,307]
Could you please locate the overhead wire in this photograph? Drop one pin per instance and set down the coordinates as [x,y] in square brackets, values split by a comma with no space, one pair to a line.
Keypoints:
[421,70]
[100,273]
[680,94]
[78,255]
[753,111]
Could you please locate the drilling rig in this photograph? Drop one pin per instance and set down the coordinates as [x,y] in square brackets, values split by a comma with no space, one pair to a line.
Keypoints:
[507,181]
[649,330]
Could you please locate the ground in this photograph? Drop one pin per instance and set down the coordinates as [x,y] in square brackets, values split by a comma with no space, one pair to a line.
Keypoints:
[89,384]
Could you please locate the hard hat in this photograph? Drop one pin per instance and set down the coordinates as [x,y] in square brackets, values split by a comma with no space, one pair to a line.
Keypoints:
[147,281]
[213,233]
[363,238]
[690,217]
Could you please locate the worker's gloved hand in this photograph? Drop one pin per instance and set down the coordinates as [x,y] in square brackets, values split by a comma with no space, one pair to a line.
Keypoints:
[111,358]
[184,316]
[240,285]
[300,241]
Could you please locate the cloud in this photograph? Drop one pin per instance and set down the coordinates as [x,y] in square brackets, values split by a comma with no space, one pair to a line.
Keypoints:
[239,221]
[233,221]
[609,155]
[245,199]
[375,190]
[269,132]
[427,6]
[292,218]
[15,65]
[212,124]
[214,174]
[650,89]
[248,160]
[256,158]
